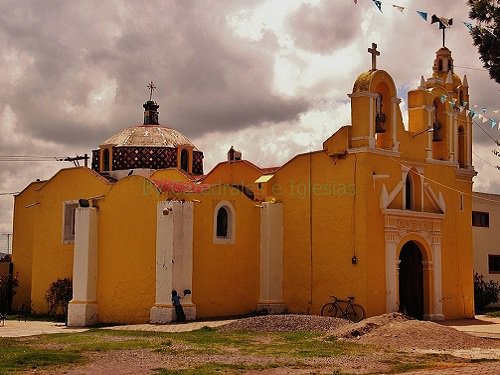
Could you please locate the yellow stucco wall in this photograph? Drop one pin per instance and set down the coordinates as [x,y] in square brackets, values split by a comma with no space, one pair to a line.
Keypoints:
[236,172]
[126,252]
[226,276]
[52,258]
[25,220]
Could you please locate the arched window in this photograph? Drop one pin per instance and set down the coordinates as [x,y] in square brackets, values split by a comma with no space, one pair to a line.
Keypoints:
[461,147]
[440,65]
[184,160]
[409,192]
[224,223]
[440,136]
[106,160]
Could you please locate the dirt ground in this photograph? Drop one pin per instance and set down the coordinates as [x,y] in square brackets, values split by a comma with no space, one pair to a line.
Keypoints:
[397,339]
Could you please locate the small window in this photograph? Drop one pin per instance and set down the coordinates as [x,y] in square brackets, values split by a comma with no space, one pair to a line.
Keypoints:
[494,263]
[224,223]
[69,221]
[409,192]
[480,219]
[184,160]
[106,160]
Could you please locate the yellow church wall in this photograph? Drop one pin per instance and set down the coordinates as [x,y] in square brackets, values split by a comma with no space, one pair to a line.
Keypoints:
[25,220]
[52,259]
[226,276]
[318,253]
[127,252]
[239,172]
[170,175]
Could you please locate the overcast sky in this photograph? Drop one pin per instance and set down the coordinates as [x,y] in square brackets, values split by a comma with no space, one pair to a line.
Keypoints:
[269,77]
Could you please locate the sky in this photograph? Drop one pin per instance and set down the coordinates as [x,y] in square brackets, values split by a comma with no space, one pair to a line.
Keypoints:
[269,77]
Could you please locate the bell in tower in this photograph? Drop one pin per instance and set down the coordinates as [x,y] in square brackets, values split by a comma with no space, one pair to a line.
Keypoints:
[380,116]
[436,127]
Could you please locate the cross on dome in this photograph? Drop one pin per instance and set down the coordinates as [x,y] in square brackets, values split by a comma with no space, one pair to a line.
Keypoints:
[374,54]
[151,87]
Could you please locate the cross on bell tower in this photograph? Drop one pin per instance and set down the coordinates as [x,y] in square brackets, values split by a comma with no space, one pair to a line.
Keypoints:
[374,54]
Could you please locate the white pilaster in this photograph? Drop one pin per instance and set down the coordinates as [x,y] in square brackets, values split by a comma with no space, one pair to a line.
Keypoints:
[182,260]
[371,135]
[391,273]
[82,309]
[271,258]
[174,259]
[437,313]
[395,107]
[430,125]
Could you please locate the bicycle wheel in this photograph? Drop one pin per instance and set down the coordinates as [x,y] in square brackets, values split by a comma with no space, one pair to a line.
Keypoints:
[355,313]
[329,309]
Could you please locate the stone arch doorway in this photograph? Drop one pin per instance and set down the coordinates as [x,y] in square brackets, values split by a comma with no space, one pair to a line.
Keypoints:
[411,280]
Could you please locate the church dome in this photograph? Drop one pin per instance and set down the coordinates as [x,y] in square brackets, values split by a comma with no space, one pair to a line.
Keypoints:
[147,147]
[148,136]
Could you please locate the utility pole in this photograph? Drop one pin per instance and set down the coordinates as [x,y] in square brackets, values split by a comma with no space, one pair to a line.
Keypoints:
[76,160]
[8,235]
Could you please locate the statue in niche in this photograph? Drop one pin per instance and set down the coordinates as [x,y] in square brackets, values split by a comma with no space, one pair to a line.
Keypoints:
[436,128]
[380,116]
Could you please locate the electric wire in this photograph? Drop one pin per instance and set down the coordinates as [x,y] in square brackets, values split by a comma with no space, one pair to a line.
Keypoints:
[446,186]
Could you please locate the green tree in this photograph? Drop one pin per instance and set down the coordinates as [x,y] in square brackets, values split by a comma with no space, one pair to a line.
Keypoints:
[485,34]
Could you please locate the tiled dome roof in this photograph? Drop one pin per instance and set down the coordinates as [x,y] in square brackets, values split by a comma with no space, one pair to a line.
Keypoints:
[148,136]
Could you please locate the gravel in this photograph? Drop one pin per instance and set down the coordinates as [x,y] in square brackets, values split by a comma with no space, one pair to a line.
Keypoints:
[285,323]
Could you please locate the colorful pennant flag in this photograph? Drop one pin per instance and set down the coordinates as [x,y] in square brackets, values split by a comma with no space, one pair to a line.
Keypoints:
[493,123]
[423,15]
[400,8]
[443,98]
[378,4]
[356,2]
[468,25]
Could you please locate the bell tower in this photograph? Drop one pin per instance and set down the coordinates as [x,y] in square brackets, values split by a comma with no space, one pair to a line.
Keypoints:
[375,109]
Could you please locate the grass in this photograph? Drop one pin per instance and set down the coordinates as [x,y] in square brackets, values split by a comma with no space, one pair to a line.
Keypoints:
[16,357]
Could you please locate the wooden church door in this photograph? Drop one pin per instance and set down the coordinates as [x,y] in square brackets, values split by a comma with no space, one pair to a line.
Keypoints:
[411,283]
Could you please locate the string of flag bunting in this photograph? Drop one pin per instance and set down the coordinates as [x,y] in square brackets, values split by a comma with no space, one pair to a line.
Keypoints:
[424,15]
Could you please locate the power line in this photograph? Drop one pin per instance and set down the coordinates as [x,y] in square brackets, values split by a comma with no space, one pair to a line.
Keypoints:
[466,67]
[485,132]
[31,158]
[496,167]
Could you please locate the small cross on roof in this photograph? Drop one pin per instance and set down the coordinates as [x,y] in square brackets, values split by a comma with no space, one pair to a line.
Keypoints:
[374,53]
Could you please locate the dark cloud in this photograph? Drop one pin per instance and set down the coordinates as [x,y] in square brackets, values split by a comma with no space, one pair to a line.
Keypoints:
[323,28]
[207,78]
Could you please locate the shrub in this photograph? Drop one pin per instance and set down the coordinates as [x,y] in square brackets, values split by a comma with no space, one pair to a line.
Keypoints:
[485,292]
[8,285]
[58,296]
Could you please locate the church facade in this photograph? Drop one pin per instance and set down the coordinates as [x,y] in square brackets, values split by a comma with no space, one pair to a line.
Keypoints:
[381,213]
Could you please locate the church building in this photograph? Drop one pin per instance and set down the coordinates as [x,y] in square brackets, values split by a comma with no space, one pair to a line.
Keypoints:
[382,213]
